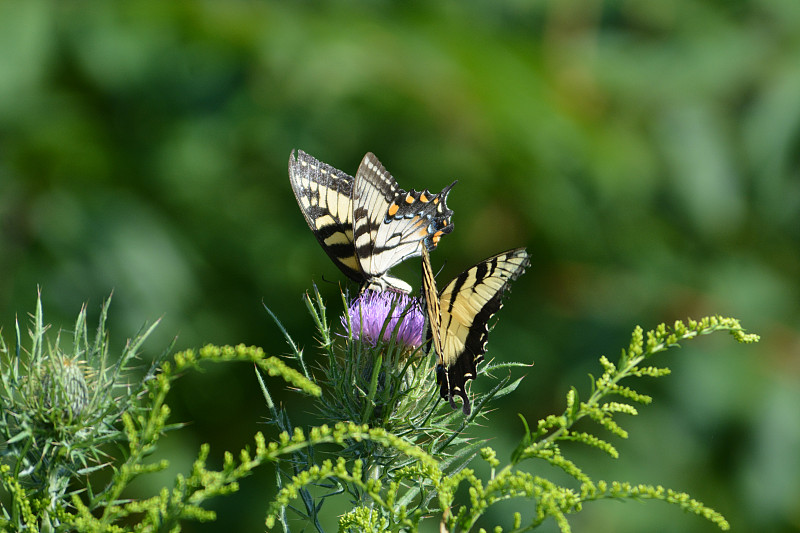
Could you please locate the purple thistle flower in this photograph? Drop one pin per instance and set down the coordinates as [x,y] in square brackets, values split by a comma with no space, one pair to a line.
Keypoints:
[374,308]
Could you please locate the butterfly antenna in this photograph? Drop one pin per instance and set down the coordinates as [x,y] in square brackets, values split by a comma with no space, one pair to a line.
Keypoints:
[327,280]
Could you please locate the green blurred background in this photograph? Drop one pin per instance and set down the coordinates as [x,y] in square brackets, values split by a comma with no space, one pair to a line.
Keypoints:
[646,153]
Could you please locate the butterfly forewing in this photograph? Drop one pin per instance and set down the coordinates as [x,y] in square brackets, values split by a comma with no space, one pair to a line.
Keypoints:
[324,195]
[465,307]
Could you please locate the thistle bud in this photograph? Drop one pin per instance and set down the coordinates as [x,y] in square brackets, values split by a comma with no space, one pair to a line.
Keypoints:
[64,388]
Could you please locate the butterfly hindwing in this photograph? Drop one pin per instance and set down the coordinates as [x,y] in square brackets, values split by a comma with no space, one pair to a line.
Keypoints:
[391,224]
[465,307]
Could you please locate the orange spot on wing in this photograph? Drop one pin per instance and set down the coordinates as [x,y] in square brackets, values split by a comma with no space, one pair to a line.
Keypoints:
[393,209]
[423,198]
[409,199]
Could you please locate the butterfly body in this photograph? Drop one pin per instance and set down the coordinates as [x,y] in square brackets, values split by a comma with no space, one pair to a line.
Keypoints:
[459,317]
[367,224]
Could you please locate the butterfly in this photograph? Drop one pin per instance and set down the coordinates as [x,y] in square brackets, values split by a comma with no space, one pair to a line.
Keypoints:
[458,317]
[367,224]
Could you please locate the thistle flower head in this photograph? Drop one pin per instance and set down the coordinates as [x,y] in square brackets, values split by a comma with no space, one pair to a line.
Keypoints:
[63,388]
[378,316]
[377,373]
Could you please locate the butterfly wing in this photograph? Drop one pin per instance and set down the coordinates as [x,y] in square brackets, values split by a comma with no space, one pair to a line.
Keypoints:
[466,305]
[431,302]
[325,198]
[391,224]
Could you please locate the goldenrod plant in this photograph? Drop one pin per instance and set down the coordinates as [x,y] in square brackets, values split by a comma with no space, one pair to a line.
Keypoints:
[78,424]
[378,374]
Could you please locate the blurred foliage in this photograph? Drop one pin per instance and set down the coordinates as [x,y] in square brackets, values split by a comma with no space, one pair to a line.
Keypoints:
[646,153]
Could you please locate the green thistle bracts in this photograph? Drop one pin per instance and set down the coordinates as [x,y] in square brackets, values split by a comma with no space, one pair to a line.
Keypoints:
[64,391]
